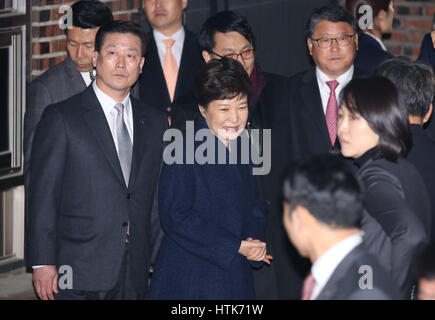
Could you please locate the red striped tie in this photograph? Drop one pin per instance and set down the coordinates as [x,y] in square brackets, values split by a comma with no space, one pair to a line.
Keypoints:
[332,111]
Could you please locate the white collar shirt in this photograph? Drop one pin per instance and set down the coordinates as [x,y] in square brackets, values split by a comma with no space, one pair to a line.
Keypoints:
[108,105]
[177,47]
[325,266]
[324,89]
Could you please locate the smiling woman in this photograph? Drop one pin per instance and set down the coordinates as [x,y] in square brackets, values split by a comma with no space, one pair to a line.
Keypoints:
[211,216]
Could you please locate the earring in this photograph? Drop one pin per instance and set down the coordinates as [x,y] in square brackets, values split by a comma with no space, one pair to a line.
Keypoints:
[93,74]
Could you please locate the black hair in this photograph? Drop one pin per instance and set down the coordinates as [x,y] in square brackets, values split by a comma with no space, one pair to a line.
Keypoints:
[327,187]
[219,80]
[120,26]
[414,80]
[89,14]
[224,21]
[331,13]
[425,266]
[376,100]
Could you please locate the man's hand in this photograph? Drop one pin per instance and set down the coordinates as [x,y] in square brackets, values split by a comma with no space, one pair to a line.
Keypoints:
[45,281]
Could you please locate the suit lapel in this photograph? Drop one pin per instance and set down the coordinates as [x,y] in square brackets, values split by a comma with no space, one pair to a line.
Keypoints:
[334,283]
[187,56]
[141,124]
[75,77]
[156,69]
[313,104]
[97,123]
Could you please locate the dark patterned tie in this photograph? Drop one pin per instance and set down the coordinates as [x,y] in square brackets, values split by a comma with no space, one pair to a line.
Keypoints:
[125,147]
[332,111]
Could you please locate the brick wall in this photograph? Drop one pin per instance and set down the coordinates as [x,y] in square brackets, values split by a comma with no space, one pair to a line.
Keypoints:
[49,41]
[413,21]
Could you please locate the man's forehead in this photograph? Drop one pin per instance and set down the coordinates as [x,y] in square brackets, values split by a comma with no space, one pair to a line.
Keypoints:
[333,28]
[122,40]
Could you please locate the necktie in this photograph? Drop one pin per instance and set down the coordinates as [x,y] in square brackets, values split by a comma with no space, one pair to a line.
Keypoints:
[170,68]
[125,147]
[332,111]
[308,287]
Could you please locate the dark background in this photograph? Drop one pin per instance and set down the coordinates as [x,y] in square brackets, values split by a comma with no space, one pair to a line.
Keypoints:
[279,26]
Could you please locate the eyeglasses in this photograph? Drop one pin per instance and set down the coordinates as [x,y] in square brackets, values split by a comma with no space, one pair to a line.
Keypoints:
[342,41]
[246,55]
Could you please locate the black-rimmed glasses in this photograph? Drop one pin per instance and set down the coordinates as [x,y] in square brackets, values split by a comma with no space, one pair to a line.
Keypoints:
[246,55]
[342,41]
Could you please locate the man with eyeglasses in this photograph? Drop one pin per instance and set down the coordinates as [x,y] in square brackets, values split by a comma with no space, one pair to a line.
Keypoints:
[171,62]
[332,42]
[228,34]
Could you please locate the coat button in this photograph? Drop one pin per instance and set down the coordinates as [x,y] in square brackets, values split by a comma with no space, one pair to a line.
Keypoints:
[124,224]
[128,195]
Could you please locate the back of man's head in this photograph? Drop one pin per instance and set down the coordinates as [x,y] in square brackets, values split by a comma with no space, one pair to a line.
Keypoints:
[89,14]
[415,82]
[328,189]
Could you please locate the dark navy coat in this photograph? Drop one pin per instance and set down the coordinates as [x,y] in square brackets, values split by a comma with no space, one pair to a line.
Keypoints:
[370,55]
[205,212]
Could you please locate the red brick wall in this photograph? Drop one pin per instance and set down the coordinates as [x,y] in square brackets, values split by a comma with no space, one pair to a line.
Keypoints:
[415,20]
[49,41]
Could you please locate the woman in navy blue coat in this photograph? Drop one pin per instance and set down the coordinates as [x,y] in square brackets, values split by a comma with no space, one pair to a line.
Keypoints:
[211,216]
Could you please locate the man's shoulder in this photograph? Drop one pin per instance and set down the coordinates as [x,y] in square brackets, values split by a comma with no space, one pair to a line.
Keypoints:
[54,74]
[302,76]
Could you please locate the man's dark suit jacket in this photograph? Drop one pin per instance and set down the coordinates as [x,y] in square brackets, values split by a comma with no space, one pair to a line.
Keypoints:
[369,55]
[422,156]
[307,135]
[57,84]
[308,130]
[79,202]
[348,280]
[152,84]
[427,51]
[398,220]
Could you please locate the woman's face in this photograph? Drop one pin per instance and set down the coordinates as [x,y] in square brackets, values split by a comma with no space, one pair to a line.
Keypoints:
[356,137]
[226,118]
[386,23]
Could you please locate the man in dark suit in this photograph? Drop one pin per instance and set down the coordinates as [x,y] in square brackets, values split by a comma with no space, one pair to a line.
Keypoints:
[95,165]
[332,41]
[68,77]
[415,82]
[173,58]
[323,208]
[314,97]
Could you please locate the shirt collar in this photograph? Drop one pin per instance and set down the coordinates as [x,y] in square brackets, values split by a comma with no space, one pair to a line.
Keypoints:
[325,266]
[378,40]
[177,36]
[107,103]
[343,80]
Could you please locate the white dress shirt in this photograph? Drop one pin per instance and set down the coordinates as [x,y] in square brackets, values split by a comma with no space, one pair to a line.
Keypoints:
[325,266]
[86,77]
[108,105]
[324,89]
[378,40]
[177,47]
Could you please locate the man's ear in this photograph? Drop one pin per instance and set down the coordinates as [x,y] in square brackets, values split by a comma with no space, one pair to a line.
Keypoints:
[94,58]
[310,45]
[142,61]
[206,56]
[184,4]
[428,114]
